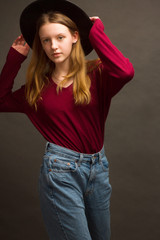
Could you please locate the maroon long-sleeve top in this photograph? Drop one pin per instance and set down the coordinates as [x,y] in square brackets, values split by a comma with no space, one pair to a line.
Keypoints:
[58,119]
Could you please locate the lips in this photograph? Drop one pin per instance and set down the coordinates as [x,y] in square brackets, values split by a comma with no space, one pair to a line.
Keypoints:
[56,54]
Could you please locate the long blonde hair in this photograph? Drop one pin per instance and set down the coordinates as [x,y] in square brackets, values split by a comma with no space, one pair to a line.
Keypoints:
[41,67]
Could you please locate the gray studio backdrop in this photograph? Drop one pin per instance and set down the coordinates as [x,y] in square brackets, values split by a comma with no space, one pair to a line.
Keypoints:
[132,129]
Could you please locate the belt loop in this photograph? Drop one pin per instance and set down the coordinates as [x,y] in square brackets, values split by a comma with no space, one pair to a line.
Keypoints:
[80,159]
[100,157]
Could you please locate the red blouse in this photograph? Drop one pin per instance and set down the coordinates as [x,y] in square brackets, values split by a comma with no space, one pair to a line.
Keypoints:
[58,119]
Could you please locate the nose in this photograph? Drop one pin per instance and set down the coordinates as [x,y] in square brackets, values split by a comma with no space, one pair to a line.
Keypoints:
[54,45]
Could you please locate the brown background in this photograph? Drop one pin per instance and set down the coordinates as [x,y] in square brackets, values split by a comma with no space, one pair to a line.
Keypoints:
[132,130]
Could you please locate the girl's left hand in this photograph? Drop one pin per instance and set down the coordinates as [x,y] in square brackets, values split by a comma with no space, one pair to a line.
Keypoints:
[94,18]
[21,46]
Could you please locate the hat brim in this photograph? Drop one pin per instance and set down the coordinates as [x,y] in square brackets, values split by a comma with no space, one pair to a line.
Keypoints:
[33,11]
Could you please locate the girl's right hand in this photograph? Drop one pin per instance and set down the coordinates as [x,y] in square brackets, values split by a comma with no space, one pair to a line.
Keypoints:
[94,18]
[21,46]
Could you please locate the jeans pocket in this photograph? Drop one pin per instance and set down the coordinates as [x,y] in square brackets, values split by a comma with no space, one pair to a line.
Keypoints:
[61,164]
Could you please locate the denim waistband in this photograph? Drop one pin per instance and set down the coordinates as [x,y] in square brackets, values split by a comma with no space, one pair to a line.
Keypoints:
[66,152]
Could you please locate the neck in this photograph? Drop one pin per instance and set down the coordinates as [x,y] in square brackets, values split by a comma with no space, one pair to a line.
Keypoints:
[61,69]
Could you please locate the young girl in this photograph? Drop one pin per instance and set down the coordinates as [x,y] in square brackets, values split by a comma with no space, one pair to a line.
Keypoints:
[67,99]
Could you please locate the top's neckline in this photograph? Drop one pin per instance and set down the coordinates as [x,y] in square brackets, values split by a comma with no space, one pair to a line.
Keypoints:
[62,87]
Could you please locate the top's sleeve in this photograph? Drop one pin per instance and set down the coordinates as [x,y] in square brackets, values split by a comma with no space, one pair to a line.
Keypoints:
[116,69]
[11,101]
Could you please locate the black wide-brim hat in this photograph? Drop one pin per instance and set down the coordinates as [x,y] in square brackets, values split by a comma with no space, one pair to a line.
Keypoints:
[30,15]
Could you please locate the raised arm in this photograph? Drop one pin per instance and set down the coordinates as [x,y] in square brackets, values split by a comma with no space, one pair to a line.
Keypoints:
[11,101]
[118,70]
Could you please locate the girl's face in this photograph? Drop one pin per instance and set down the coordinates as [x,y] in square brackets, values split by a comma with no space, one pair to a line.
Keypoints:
[57,41]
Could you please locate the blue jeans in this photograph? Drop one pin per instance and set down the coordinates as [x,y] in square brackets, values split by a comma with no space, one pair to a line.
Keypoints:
[75,194]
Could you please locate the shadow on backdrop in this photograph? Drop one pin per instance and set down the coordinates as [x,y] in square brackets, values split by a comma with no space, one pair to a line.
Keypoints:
[132,129]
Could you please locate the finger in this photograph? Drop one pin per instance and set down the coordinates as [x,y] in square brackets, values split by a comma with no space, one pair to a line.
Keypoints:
[27,46]
[24,43]
[17,39]
[94,17]
[22,37]
[23,40]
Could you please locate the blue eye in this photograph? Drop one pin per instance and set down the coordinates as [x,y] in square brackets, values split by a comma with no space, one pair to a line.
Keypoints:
[46,40]
[60,37]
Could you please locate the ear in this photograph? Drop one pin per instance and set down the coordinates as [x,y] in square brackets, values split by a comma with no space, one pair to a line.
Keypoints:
[75,37]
